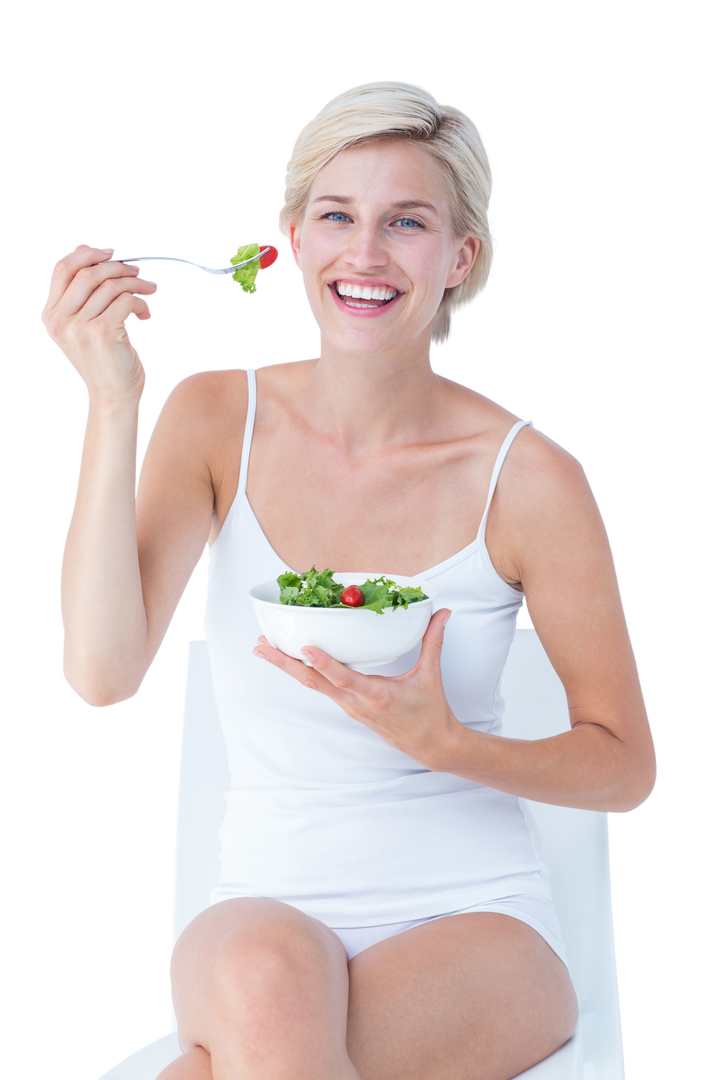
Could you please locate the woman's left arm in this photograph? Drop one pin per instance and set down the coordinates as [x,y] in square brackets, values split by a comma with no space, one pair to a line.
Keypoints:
[554,543]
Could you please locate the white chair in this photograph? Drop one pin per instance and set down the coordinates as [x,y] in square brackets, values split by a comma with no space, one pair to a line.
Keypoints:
[576,846]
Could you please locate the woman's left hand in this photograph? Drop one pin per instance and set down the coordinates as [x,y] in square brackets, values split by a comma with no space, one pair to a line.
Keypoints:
[410,711]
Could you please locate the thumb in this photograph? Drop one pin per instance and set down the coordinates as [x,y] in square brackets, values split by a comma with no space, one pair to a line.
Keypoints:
[442,619]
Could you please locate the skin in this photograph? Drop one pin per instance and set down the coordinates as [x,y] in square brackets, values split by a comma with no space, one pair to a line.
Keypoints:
[374,383]
[479,994]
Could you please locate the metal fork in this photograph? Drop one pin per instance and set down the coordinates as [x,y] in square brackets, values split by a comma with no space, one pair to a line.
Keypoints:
[167,258]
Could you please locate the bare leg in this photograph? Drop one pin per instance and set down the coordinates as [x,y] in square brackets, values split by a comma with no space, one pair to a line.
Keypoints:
[195,1065]
[262,989]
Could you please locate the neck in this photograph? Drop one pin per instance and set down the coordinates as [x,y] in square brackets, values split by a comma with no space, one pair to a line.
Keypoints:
[363,404]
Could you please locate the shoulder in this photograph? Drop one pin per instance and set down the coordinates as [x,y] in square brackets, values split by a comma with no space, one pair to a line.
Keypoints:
[535,467]
[206,409]
[539,469]
[560,543]
[200,424]
[547,509]
[209,394]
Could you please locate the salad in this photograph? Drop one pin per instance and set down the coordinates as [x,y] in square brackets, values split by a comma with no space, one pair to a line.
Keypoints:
[317,588]
[246,275]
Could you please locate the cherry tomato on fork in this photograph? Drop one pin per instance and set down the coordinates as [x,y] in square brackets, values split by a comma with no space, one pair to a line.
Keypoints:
[269,257]
[352,596]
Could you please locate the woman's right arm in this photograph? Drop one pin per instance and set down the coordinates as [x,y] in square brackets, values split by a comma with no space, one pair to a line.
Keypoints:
[121,584]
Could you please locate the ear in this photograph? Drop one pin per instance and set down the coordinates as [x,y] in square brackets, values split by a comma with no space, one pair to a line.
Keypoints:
[466,256]
[295,234]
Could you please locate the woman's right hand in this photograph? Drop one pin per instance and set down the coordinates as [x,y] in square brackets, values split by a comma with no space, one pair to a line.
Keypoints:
[89,301]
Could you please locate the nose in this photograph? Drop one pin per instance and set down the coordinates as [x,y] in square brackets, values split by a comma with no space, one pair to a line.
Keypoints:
[366,249]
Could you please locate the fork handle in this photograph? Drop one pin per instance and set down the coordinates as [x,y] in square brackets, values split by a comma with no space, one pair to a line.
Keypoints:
[152,258]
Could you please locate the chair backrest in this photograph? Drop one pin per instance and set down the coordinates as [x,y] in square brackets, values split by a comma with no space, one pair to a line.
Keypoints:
[576,848]
[204,779]
[575,841]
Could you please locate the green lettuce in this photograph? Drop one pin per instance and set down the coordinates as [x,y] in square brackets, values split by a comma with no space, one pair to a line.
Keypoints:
[246,275]
[317,588]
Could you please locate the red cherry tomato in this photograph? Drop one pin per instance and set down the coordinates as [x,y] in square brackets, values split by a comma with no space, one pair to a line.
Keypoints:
[352,596]
[269,257]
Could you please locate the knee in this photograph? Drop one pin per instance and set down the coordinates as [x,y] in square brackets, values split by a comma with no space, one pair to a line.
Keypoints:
[571,1016]
[225,946]
[241,955]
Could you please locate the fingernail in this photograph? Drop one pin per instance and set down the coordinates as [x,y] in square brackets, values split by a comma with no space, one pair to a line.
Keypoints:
[257,652]
[153,283]
[308,653]
[445,620]
[108,251]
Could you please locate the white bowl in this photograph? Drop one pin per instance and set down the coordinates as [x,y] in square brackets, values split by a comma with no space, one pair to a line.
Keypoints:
[351,635]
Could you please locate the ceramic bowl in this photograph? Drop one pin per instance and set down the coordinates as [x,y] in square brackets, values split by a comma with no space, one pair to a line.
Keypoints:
[350,635]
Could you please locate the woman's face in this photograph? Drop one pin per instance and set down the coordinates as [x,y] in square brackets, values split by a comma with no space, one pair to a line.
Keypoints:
[377,248]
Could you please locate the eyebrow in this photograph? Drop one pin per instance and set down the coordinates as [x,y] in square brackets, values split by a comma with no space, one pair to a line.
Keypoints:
[405,204]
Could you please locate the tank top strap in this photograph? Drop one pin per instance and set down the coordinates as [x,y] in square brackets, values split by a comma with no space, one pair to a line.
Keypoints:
[249,424]
[502,454]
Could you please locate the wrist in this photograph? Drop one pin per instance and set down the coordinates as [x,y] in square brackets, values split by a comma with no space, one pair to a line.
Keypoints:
[112,429]
[450,750]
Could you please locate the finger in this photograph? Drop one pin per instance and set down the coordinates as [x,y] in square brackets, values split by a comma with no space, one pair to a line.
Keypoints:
[286,663]
[279,658]
[66,267]
[341,677]
[76,277]
[118,298]
[434,639]
[95,291]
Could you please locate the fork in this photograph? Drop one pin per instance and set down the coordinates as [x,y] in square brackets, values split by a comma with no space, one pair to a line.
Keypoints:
[167,258]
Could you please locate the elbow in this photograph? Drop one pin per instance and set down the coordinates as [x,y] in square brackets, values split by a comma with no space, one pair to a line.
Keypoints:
[630,808]
[647,791]
[629,770]
[97,683]
[101,696]
[640,798]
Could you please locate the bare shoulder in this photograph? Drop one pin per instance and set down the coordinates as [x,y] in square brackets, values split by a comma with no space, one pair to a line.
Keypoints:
[554,522]
[543,510]
[208,397]
[538,471]
[203,419]
[187,439]
[191,449]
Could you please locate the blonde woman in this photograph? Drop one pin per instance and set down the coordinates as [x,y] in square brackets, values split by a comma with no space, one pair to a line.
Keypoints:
[383,910]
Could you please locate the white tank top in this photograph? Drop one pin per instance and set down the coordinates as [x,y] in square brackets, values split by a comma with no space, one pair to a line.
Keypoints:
[322,813]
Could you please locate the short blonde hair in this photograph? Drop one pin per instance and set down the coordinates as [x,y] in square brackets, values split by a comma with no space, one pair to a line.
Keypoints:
[394,110]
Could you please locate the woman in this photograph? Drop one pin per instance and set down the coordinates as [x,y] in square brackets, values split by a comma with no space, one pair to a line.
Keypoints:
[382,911]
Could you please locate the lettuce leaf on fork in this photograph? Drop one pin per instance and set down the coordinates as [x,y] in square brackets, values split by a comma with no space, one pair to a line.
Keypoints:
[246,275]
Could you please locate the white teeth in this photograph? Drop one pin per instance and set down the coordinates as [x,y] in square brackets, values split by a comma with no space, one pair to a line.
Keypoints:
[365,292]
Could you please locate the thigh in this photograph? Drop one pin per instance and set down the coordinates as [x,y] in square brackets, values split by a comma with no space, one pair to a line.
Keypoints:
[477,996]
[249,958]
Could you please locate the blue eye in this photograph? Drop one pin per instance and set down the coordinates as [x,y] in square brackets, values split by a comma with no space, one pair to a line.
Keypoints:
[334,215]
[338,213]
[405,221]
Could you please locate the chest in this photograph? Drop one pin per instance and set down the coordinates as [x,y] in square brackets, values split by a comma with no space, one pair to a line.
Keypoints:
[404,511]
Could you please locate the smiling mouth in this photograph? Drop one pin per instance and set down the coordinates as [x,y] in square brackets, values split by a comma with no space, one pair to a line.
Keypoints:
[353,301]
